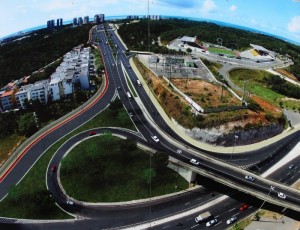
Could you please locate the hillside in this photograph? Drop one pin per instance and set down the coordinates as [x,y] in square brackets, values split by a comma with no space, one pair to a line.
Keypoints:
[37,49]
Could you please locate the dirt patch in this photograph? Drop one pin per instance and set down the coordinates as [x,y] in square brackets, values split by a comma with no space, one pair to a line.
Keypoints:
[286,74]
[206,94]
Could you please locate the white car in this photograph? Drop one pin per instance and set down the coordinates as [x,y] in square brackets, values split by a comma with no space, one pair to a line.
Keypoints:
[69,202]
[231,220]
[194,161]
[211,222]
[281,195]
[155,138]
[178,151]
[250,178]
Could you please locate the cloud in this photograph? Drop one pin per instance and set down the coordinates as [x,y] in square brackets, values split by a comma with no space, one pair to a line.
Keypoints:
[208,6]
[294,25]
[233,8]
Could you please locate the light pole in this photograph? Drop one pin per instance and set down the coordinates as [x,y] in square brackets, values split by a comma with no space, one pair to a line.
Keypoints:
[235,137]
[271,189]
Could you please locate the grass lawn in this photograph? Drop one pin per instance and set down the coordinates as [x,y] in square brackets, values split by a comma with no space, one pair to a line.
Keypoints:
[221,51]
[254,83]
[115,175]
[22,202]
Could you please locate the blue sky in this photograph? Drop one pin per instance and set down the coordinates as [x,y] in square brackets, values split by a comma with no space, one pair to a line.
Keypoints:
[279,17]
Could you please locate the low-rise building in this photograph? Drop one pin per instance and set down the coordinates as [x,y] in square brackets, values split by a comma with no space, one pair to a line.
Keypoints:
[8,100]
[22,96]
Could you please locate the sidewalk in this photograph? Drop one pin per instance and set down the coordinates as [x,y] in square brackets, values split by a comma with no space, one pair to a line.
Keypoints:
[284,223]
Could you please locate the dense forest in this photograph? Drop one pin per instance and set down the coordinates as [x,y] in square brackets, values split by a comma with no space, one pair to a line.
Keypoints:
[37,49]
[135,35]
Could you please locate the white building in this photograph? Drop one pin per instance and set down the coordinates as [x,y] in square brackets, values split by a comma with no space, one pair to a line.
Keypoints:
[56,89]
[23,95]
[39,91]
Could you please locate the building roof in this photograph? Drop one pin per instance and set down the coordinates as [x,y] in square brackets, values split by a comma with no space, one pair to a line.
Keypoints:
[257,47]
[188,39]
[7,93]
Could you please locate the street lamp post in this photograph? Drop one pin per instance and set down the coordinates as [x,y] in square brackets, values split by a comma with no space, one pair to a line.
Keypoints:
[235,137]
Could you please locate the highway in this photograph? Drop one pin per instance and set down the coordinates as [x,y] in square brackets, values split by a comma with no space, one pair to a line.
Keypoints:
[117,83]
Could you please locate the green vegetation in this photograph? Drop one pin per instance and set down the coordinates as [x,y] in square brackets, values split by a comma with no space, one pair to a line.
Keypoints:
[38,50]
[265,85]
[214,68]
[254,82]
[221,51]
[120,174]
[130,85]
[33,184]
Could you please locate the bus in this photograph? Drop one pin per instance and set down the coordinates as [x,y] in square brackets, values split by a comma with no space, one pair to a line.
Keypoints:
[128,95]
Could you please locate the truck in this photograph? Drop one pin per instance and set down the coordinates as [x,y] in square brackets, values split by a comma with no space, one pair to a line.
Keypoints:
[202,217]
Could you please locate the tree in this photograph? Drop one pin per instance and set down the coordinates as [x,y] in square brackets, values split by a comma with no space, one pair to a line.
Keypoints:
[115,106]
[27,124]
[44,200]
[125,149]
[160,160]
[122,115]
[149,173]
[189,50]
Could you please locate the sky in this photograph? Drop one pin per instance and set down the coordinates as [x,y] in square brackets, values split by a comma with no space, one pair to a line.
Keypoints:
[278,17]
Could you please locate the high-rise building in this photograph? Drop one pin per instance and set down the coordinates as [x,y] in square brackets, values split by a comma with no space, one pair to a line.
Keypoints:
[60,22]
[99,18]
[86,20]
[57,22]
[80,21]
[75,23]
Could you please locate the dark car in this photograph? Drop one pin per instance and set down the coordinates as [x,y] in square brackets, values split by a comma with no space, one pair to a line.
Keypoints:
[53,168]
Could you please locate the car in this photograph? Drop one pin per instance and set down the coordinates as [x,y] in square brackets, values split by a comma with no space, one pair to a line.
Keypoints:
[129,67]
[250,178]
[281,195]
[155,138]
[69,202]
[178,151]
[53,168]
[194,161]
[211,222]
[113,64]
[291,166]
[92,133]
[119,88]
[231,220]
[243,207]
[130,114]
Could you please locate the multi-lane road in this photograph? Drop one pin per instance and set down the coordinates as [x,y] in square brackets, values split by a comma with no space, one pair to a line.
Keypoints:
[147,120]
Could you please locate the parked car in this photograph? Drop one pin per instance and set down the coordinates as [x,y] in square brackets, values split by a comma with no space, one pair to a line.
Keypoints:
[194,161]
[231,220]
[211,222]
[155,138]
[92,133]
[281,195]
[243,207]
[53,168]
[250,178]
